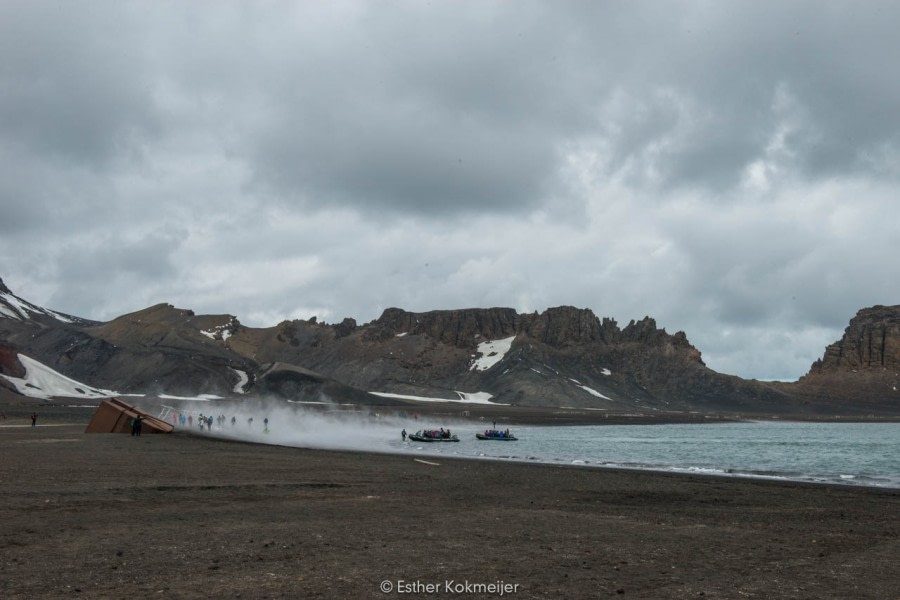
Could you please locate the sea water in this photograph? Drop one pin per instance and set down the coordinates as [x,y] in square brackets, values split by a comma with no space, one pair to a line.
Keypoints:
[866,454]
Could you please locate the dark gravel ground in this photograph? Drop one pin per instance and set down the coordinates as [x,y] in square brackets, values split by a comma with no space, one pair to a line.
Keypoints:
[180,516]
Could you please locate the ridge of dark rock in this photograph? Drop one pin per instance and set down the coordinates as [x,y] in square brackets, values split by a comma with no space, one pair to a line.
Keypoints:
[861,370]
[563,356]
[456,327]
[870,341]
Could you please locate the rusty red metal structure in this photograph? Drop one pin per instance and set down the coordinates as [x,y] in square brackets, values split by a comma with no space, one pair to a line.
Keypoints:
[115,416]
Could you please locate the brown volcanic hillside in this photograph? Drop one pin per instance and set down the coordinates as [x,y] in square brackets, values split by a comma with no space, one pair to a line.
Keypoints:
[564,356]
[191,354]
[166,349]
[861,371]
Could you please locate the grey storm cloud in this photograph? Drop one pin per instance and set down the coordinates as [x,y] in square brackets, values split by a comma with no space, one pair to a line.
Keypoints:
[70,90]
[450,110]
[723,167]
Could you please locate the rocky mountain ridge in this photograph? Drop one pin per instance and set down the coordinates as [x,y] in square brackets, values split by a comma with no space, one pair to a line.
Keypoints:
[862,367]
[563,357]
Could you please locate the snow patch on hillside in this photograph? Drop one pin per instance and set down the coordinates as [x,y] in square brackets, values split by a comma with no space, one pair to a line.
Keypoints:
[590,391]
[239,386]
[200,398]
[16,305]
[221,332]
[41,381]
[476,398]
[464,397]
[491,352]
[594,392]
[57,316]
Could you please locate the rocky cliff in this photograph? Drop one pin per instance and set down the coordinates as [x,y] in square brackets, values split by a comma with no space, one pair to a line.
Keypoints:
[563,356]
[870,342]
[435,354]
[861,370]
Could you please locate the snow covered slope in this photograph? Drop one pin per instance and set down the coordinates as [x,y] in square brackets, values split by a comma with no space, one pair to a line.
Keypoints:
[40,381]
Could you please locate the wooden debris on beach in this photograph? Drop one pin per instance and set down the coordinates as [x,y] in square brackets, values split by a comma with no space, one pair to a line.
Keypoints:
[115,416]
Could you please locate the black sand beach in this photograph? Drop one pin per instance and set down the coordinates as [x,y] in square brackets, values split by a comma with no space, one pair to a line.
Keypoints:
[179,516]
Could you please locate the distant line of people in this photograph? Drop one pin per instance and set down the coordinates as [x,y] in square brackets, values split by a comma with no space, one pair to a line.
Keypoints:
[206,422]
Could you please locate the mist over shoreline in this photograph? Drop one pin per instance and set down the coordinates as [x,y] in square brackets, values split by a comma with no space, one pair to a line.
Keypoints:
[276,422]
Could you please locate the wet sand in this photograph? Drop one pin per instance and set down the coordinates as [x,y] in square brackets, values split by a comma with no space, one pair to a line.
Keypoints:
[180,516]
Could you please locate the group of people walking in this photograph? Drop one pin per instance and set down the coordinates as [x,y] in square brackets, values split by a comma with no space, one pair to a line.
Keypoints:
[205,422]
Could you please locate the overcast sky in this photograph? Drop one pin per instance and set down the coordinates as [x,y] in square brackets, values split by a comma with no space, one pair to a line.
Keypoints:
[731,169]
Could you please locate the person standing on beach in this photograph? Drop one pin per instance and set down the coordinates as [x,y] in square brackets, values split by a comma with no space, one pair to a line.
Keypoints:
[33,419]
[138,424]
[403,435]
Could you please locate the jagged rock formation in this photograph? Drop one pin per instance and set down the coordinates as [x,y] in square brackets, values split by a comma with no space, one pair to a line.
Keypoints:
[861,369]
[564,356]
[870,341]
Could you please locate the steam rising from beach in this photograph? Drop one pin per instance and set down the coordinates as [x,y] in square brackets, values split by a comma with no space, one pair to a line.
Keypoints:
[769,450]
[322,425]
